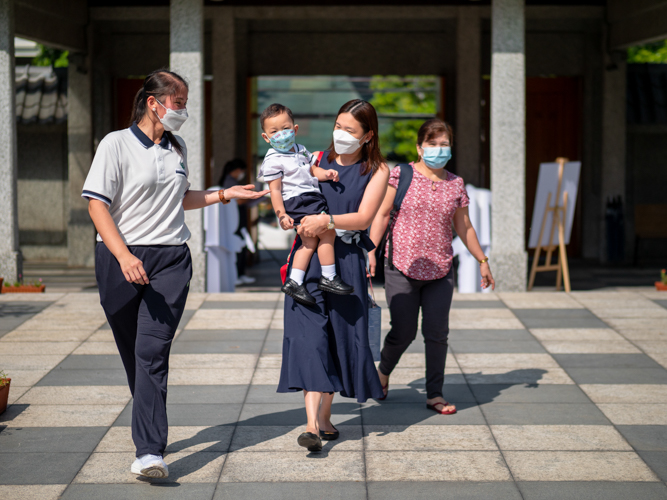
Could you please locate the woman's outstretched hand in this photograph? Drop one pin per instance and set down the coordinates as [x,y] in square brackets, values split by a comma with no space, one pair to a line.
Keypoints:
[487,277]
[313,225]
[246,192]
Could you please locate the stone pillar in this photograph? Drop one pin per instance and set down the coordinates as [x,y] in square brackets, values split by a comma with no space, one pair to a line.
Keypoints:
[80,228]
[225,123]
[10,254]
[613,142]
[508,144]
[187,59]
[468,95]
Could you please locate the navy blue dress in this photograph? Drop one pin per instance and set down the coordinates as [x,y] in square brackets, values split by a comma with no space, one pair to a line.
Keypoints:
[325,347]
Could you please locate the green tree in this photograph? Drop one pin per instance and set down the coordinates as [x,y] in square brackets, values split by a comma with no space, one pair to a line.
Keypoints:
[51,57]
[396,96]
[648,53]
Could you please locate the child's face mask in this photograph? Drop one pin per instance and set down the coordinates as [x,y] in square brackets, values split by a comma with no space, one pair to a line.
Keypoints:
[283,141]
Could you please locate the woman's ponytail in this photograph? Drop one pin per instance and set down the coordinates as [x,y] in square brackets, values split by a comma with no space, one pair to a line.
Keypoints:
[159,83]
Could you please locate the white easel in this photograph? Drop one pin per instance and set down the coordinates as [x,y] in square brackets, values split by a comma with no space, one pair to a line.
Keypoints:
[558,217]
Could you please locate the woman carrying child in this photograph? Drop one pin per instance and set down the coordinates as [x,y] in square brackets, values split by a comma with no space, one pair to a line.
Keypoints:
[293,175]
[325,346]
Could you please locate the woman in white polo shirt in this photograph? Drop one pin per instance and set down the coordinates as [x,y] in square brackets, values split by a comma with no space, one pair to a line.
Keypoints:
[138,190]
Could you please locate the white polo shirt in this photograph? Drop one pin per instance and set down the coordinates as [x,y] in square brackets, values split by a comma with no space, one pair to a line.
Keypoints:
[293,168]
[143,184]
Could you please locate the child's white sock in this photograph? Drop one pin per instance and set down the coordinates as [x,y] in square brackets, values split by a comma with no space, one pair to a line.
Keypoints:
[329,271]
[297,275]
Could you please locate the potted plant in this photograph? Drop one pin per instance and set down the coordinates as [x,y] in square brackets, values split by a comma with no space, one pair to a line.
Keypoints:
[662,284]
[4,390]
[21,287]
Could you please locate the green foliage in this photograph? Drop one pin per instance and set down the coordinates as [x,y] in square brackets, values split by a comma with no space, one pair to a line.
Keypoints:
[51,57]
[648,53]
[3,378]
[663,276]
[403,95]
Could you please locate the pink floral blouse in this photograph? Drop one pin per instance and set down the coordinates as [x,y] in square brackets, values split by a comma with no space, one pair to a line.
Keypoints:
[422,238]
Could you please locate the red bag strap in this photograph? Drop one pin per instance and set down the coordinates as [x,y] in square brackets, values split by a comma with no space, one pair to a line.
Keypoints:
[319,158]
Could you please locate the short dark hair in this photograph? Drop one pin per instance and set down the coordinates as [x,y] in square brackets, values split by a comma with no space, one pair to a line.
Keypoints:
[432,128]
[275,109]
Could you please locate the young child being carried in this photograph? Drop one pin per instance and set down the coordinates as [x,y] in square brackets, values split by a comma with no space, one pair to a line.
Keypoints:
[293,174]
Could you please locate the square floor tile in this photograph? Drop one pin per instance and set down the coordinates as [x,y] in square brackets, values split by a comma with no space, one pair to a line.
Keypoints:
[576,334]
[267,438]
[503,360]
[61,415]
[559,437]
[284,491]
[447,466]
[618,376]
[626,393]
[543,414]
[634,414]
[428,437]
[41,492]
[214,347]
[615,361]
[657,461]
[210,376]
[558,318]
[50,439]
[662,303]
[522,393]
[19,468]
[530,376]
[144,491]
[644,437]
[578,466]
[77,395]
[495,346]
[416,393]
[10,363]
[538,300]
[191,414]
[100,362]
[266,394]
[592,490]
[206,394]
[84,377]
[293,466]
[220,335]
[452,490]
[194,467]
[216,361]
[590,347]
[181,439]
[490,335]
[408,414]
[469,304]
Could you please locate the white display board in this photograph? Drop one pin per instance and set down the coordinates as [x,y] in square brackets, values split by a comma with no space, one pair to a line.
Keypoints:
[547,182]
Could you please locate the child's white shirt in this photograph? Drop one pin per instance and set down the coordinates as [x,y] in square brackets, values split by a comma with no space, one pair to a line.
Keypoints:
[293,168]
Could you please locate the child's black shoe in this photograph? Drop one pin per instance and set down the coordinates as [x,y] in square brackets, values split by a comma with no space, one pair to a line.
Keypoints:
[335,285]
[298,293]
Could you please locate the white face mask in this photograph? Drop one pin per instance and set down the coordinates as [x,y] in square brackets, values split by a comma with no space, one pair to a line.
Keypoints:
[173,118]
[345,143]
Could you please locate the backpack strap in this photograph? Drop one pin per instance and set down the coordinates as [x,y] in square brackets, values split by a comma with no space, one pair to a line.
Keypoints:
[404,182]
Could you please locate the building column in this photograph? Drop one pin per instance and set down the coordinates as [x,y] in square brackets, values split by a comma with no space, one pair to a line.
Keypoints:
[468,95]
[508,144]
[225,123]
[10,254]
[613,143]
[187,59]
[80,228]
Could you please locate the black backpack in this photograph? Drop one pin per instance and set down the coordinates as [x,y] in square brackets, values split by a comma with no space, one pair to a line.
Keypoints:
[404,182]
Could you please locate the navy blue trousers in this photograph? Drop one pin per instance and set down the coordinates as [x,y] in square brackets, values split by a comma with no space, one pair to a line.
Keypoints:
[144,319]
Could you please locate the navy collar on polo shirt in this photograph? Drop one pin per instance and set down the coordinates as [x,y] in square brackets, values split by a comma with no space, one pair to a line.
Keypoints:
[145,140]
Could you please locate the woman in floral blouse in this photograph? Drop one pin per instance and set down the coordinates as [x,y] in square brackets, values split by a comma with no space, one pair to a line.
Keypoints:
[418,275]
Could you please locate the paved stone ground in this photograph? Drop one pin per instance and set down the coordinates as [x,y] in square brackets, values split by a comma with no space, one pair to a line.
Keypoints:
[559,396]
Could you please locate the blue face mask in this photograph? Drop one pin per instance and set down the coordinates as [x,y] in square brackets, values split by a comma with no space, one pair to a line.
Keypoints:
[437,157]
[283,141]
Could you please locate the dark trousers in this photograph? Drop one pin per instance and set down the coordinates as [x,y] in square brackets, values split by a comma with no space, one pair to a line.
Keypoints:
[405,296]
[144,319]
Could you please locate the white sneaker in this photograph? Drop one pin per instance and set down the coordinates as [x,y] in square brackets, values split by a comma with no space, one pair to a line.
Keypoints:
[150,466]
[247,280]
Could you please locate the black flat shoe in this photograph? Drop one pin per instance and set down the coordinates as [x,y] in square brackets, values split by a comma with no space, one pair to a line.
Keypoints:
[298,293]
[330,436]
[310,441]
[335,285]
